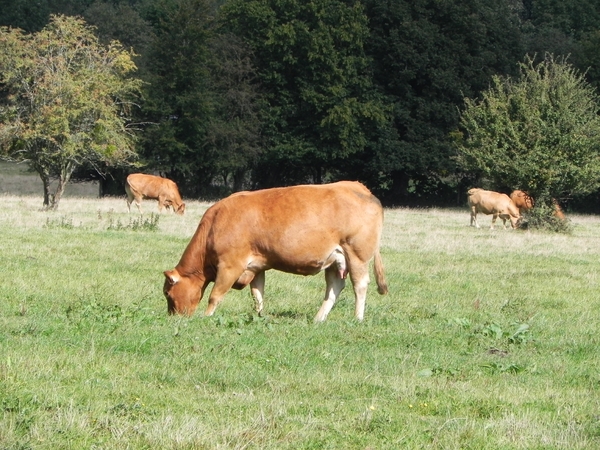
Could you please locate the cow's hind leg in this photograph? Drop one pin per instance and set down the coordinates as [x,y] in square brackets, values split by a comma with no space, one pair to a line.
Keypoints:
[138,203]
[131,198]
[257,287]
[359,274]
[335,284]
[474,218]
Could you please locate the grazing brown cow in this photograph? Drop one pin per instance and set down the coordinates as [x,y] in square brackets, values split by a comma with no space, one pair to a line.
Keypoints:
[300,230]
[495,203]
[522,200]
[139,186]
[525,202]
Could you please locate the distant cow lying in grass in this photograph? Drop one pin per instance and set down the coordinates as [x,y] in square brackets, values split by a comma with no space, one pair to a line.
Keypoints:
[300,230]
[525,202]
[495,203]
[141,186]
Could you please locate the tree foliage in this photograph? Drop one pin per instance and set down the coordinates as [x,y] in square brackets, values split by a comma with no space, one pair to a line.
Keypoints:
[539,133]
[234,129]
[65,101]
[426,57]
[319,99]
[176,106]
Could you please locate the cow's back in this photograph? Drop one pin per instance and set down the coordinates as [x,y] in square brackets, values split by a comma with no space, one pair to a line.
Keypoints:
[295,227]
[490,202]
[146,185]
[153,186]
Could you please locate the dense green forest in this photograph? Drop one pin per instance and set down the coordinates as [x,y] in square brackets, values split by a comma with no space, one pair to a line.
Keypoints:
[246,94]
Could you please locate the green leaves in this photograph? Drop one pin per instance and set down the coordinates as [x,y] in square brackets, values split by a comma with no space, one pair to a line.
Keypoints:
[314,73]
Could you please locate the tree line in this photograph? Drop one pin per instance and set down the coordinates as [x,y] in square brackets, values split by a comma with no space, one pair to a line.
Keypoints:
[246,94]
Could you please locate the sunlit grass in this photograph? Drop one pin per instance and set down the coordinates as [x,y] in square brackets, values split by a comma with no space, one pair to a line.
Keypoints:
[487,340]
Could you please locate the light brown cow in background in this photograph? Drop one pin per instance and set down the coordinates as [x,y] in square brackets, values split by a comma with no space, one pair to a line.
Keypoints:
[558,212]
[525,202]
[522,200]
[141,186]
[335,228]
[495,203]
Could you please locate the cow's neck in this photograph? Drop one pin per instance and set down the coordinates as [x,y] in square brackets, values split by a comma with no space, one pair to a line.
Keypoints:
[193,260]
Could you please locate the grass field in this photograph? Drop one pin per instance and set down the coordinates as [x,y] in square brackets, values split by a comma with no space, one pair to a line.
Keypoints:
[487,340]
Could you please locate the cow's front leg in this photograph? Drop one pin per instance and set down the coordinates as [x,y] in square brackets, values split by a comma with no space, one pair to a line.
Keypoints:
[257,288]
[161,203]
[335,284]
[223,283]
[494,217]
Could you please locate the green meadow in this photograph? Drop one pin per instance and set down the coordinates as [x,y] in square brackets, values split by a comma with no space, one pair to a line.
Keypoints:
[486,340]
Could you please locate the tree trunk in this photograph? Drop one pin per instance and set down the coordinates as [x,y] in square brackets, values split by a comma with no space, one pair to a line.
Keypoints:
[48,197]
[318,175]
[238,179]
[64,177]
[45,177]
[58,193]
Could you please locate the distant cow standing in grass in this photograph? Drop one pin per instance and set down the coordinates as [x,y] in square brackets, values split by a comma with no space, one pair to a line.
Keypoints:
[141,186]
[525,202]
[495,203]
[522,200]
[300,230]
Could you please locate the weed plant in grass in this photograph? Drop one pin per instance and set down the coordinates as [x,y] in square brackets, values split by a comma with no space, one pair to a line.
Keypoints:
[487,340]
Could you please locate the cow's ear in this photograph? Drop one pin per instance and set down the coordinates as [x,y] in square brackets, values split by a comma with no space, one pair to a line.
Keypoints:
[172,276]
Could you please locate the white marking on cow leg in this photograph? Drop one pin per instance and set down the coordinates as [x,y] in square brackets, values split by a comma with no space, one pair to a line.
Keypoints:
[360,290]
[257,288]
[474,219]
[359,274]
[335,284]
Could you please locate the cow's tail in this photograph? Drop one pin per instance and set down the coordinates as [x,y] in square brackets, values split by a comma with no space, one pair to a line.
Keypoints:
[382,287]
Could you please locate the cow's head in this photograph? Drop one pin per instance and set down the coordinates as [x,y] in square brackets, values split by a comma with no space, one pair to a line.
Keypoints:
[180,209]
[183,293]
[516,221]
